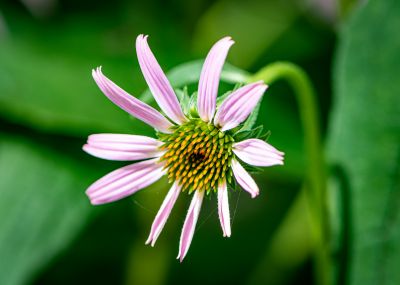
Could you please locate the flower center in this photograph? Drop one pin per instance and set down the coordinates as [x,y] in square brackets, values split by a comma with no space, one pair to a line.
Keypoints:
[198,156]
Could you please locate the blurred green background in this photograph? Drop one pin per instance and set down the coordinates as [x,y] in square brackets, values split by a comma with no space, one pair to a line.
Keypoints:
[49,104]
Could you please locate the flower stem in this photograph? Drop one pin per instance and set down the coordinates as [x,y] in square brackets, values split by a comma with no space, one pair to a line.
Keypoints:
[306,99]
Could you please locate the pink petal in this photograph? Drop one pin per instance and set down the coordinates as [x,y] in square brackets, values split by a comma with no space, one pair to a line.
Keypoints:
[238,106]
[163,213]
[158,82]
[209,78]
[130,104]
[122,147]
[125,181]
[223,209]
[258,153]
[244,179]
[190,224]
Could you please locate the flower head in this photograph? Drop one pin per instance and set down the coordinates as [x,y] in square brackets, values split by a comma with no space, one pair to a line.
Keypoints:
[199,151]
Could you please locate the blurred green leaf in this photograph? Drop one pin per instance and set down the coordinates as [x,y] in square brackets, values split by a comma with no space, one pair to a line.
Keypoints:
[146,264]
[42,205]
[283,256]
[346,7]
[45,73]
[256,25]
[365,140]
[55,92]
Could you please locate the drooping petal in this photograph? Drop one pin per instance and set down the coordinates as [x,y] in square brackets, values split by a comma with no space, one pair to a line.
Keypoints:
[125,181]
[158,82]
[258,153]
[190,224]
[238,106]
[209,78]
[130,104]
[244,179]
[223,209]
[163,213]
[122,147]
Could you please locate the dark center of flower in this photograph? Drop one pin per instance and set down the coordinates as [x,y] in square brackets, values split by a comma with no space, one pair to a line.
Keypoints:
[198,156]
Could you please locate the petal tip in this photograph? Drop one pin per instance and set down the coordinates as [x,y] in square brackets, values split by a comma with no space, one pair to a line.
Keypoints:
[85,147]
[94,73]
[180,258]
[226,234]
[228,40]
[254,195]
[94,202]
[261,85]
[97,72]
[148,240]
[141,37]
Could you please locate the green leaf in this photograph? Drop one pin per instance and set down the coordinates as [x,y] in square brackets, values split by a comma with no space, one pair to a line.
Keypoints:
[189,73]
[257,132]
[42,205]
[364,140]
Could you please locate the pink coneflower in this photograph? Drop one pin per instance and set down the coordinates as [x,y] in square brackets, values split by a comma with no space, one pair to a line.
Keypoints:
[199,150]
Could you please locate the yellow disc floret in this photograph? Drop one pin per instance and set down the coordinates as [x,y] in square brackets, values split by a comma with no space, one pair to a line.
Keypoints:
[198,155]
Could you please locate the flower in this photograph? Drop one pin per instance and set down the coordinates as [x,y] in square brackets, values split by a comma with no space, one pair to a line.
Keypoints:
[198,150]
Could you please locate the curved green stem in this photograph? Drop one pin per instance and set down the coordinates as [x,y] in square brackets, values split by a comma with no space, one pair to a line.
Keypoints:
[305,96]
